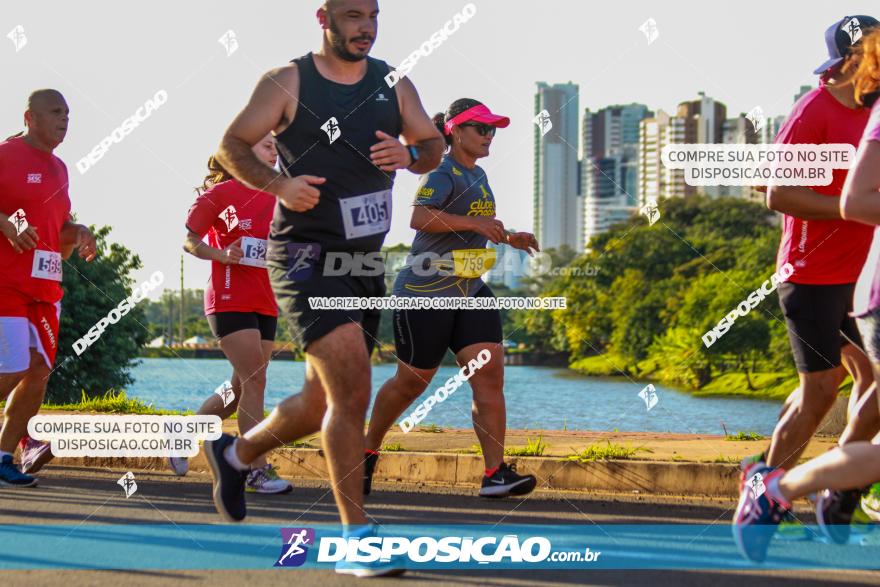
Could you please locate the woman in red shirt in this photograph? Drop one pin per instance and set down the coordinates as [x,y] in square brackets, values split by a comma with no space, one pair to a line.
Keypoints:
[239,303]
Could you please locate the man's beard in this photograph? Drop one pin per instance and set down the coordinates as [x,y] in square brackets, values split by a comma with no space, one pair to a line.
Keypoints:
[338,44]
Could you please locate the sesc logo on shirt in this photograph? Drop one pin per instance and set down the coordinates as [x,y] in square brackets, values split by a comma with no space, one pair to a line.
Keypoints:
[35,178]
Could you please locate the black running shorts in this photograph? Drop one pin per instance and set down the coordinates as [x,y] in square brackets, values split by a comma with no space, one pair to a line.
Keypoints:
[223,323]
[308,325]
[819,323]
[421,337]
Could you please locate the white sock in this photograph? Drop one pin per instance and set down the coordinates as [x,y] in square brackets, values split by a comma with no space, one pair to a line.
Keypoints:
[232,458]
[773,490]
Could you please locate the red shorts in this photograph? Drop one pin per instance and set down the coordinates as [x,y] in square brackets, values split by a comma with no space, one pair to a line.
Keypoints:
[38,330]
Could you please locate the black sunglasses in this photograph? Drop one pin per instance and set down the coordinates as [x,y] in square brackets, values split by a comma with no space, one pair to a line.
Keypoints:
[482,129]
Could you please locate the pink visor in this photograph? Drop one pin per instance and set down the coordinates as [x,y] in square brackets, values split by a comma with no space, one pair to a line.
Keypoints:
[478,113]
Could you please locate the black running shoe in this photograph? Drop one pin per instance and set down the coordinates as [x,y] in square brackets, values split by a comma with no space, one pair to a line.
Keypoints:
[834,512]
[370,460]
[228,481]
[506,482]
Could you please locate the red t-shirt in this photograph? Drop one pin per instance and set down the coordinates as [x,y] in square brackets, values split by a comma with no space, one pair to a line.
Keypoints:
[226,212]
[824,252]
[34,182]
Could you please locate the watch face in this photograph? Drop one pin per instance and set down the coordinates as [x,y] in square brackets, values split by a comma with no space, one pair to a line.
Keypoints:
[414,153]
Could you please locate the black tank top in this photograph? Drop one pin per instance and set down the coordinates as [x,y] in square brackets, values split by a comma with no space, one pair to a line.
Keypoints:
[354,210]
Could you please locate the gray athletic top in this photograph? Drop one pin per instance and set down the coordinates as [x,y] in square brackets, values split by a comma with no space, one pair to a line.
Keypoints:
[454,189]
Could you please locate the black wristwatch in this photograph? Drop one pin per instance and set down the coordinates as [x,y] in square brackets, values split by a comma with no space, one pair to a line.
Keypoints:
[413,153]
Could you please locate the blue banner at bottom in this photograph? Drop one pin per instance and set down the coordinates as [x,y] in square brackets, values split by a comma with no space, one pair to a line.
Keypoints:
[611,546]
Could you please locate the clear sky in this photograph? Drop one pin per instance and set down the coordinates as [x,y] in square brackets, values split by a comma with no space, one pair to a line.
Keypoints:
[108,58]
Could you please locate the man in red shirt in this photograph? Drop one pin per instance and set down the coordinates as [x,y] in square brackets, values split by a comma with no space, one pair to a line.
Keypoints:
[38,235]
[827,254]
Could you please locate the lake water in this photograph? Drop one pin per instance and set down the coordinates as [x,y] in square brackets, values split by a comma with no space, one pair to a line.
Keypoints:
[537,397]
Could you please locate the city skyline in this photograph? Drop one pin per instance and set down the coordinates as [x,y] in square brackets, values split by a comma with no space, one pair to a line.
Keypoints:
[143,186]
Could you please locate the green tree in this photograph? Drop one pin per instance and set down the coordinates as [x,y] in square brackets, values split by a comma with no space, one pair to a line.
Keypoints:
[91,290]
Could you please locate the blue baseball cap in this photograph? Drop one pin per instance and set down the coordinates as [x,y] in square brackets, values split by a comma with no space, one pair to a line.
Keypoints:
[842,36]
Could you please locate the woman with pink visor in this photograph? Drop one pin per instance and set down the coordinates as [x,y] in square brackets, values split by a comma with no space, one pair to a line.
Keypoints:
[454,216]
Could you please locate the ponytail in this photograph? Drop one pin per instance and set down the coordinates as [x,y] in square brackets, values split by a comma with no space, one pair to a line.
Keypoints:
[216,174]
[439,121]
[454,110]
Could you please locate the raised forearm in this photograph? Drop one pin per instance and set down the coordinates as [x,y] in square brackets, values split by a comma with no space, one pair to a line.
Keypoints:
[430,153]
[433,220]
[862,206]
[199,249]
[69,236]
[239,159]
[861,195]
[802,202]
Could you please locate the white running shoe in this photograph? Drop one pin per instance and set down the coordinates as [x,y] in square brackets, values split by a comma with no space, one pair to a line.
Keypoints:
[266,480]
[180,465]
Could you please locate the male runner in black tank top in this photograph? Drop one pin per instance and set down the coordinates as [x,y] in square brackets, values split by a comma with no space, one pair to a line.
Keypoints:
[333,196]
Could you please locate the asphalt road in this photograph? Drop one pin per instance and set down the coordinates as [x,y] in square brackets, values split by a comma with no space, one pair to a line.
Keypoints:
[85,497]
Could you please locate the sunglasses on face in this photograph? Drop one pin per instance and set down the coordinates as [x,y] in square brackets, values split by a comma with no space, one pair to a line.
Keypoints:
[482,129]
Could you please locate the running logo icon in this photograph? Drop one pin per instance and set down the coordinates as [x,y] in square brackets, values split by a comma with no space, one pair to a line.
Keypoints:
[229,41]
[757,118]
[302,258]
[128,484]
[331,127]
[294,548]
[381,98]
[650,211]
[650,30]
[230,217]
[543,121]
[18,38]
[649,396]
[854,29]
[19,219]
[226,393]
[756,485]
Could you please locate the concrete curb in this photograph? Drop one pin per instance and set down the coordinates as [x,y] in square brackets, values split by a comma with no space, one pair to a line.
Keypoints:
[466,470]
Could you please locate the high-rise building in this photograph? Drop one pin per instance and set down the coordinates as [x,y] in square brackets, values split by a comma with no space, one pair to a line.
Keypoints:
[739,131]
[610,165]
[556,198]
[697,121]
[704,119]
[655,179]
